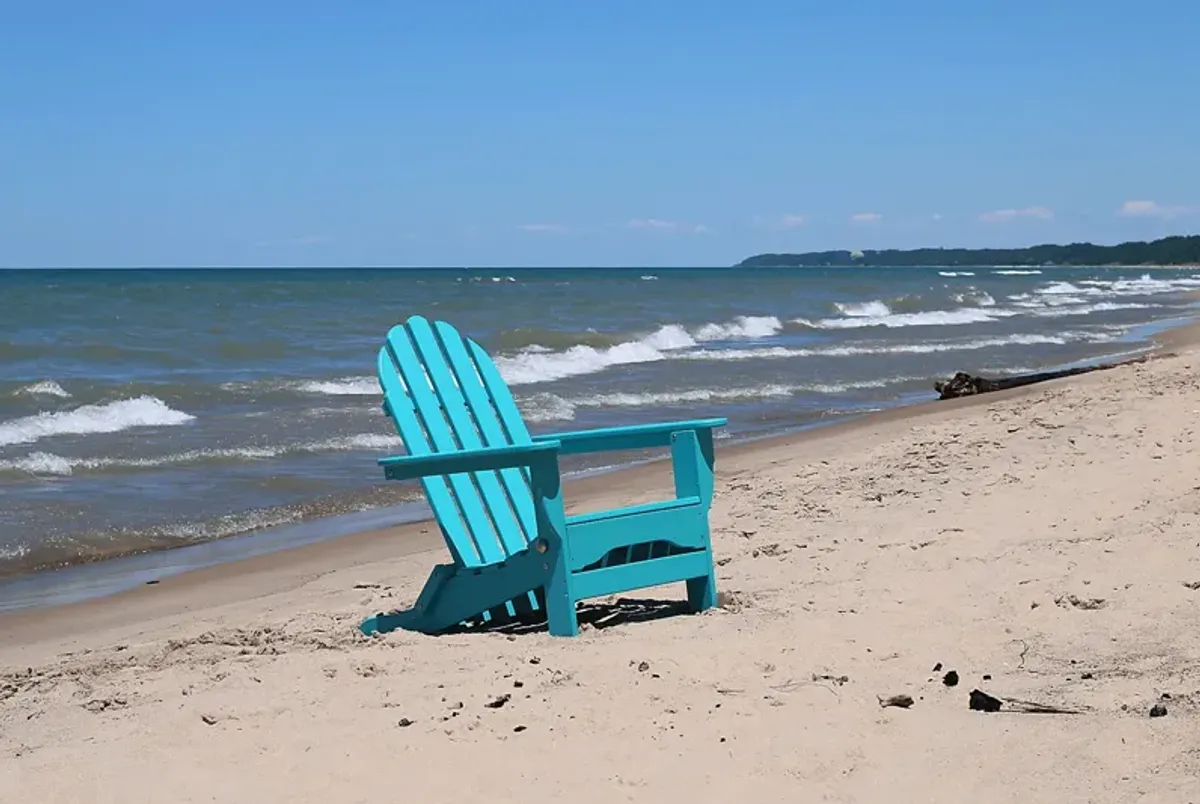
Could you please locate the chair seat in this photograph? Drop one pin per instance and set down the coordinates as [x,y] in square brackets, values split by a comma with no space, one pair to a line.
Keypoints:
[633,510]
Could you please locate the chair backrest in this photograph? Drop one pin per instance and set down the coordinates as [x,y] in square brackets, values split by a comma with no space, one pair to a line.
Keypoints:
[445,395]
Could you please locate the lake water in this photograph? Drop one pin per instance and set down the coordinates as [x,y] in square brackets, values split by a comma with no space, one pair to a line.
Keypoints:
[142,410]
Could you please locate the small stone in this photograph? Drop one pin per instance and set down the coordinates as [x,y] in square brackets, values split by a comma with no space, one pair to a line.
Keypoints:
[643,666]
[404,722]
[1158,710]
[1086,676]
[518,684]
[901,701]
[951,679]
[209,719]
[534,660]
[937,668]
[498,702]
[987,676]
[519,729]
[982,702]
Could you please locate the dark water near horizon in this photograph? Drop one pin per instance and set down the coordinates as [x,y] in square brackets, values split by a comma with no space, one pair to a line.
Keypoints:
[159,408]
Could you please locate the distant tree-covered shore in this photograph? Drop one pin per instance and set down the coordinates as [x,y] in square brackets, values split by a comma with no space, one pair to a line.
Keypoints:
[1177,250]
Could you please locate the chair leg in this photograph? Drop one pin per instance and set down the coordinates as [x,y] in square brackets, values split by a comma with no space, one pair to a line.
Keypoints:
[562,621]
[560,605]
[385,623]
[702,592]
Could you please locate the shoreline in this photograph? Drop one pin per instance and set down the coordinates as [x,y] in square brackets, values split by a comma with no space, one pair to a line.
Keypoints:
[286,569]
[84,583]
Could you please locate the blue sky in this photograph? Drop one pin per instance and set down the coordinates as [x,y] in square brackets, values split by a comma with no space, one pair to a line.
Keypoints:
[540,132]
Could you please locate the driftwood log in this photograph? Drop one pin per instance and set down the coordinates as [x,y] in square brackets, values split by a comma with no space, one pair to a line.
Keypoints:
[964,384]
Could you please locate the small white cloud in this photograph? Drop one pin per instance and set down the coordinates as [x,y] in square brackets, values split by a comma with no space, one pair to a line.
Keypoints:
[1002,215]
[1153,209]
[542,228]
[652,223]
[866,217]
[792,221]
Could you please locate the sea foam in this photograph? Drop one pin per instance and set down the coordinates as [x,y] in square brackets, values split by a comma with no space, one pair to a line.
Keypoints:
[878,314]
[345,386]
[48,463]
[535,364]
[112,417]
[43,388]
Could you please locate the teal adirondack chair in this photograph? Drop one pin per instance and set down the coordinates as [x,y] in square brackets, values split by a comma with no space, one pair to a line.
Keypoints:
[496,493]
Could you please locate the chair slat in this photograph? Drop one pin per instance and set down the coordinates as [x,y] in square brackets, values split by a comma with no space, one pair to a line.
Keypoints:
[449,386]
[501,397]
[519,527]
[399,407]
[429,410]
[509,415]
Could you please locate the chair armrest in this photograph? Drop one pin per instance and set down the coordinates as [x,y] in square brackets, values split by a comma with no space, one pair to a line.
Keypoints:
[638,436]
[408,467]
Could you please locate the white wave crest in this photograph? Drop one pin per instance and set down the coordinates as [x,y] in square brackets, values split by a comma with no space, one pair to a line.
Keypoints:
[113,417]
[546,408]
[1017,272]
[742,327]
[869,309]
[1062,289]
[977,297]
[734,394]
[47,463]
[535,364]
[956,273]
[345,386]
[43,388]
[901,348]
[13,552]
[1086,309]
[930,318]
[1145,285]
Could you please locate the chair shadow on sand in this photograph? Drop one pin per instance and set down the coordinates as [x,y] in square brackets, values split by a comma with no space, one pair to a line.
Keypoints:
[598,615]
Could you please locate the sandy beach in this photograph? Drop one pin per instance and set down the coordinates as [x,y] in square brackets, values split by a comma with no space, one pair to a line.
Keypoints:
[1043,544]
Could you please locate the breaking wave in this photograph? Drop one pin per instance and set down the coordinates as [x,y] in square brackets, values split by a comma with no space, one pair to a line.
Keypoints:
[545,407]
[535,363]
[48,463]
[113,417]
[43,388]
[345,386]
[898,348]
[879,314]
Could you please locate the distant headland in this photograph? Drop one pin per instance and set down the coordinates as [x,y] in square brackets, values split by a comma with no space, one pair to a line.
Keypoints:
[1177,250]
